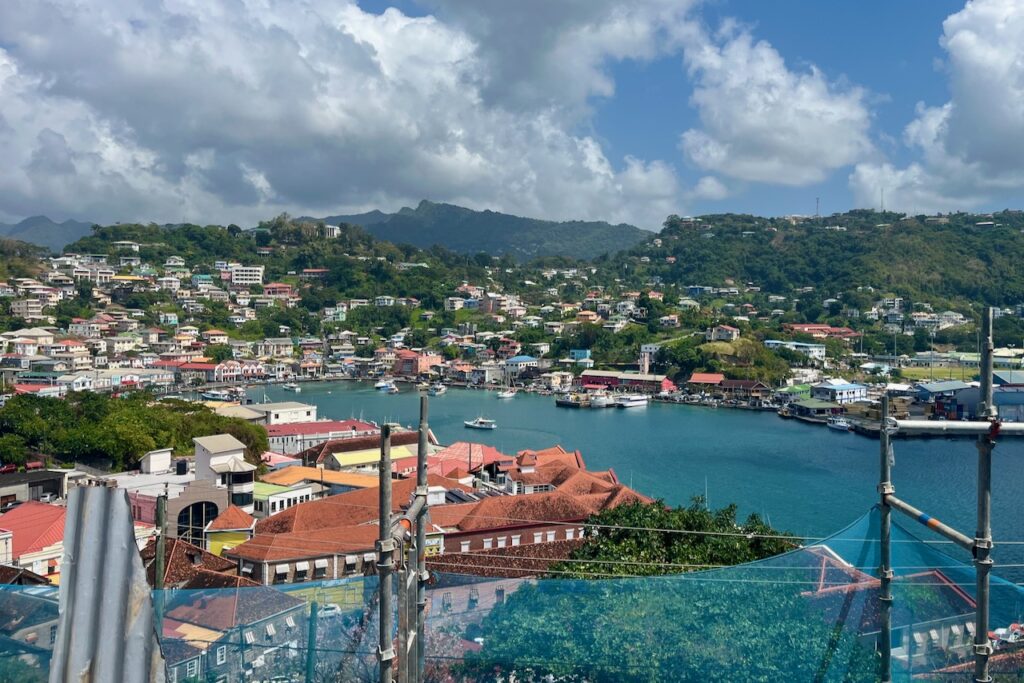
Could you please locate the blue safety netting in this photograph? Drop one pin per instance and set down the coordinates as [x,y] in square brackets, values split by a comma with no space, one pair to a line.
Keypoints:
[812,614]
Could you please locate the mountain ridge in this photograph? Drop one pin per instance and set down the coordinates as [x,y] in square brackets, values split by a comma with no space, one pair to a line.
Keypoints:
[469,231]
[44,232]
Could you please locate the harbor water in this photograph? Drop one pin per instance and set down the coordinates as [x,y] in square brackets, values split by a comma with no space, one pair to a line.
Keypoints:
[803,478]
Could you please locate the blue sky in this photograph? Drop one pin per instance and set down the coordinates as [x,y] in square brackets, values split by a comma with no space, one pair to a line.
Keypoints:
[621,110]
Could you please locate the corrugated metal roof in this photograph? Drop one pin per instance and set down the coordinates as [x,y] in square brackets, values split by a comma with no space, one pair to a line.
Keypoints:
[106,626]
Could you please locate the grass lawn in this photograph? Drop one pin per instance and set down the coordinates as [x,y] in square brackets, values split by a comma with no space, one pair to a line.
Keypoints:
[937,374]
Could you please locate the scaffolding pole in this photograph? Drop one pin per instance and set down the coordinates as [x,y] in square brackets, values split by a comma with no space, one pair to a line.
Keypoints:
[983,537]
[885,489]
[986,427]
[421,541]
[385,559]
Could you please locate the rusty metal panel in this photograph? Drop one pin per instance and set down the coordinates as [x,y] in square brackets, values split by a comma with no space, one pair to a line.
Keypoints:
[106,626]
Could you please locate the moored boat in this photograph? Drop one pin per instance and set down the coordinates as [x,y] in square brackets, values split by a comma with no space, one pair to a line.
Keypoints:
[631,400]
[572,401]
[840,424]
[217,395]
[291,386]
[481,423]
[508,393]
[602,399]
[437,389]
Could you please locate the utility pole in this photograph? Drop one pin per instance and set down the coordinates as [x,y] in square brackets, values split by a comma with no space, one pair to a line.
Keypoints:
[385,559]
[161,549]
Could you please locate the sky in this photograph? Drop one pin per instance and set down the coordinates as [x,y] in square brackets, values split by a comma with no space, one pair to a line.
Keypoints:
[220,111]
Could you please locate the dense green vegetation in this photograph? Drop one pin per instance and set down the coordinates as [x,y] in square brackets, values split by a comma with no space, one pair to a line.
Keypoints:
[958,262]
[112,432]
[644,544]
[668,628]
[467,231]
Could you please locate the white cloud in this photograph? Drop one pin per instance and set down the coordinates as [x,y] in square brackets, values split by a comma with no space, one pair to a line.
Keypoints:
[971,149]
[709,188]
[231,110]
[763,122]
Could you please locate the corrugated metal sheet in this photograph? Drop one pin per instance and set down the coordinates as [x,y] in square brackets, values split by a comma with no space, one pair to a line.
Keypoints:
[105,632]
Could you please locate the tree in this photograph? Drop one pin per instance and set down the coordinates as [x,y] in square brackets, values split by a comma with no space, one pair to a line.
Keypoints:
[12,450]
[218,353]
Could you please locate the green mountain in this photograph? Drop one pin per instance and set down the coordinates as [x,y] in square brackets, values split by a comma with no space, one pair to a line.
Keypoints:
[468,231]
[44,232]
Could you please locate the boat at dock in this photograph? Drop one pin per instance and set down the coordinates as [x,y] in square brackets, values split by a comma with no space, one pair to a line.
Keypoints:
[217,395]
[437,389]
[508,393]
[840,424]
[631,400]
[481,423]
[602,399]
[572,401]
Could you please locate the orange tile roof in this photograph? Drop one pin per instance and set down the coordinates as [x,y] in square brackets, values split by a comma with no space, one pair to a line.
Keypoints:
[293,474]
[232,518]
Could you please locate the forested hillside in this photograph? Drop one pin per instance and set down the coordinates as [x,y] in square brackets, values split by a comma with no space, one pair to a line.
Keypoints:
[970,258]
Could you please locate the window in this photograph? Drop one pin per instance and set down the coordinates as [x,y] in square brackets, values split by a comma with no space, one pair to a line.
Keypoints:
[551,537]
[53,635]
[192,669]
[538,537]
[515,540]
[488,543]
[222,654]
[502,541]
[464,547]
[569,534]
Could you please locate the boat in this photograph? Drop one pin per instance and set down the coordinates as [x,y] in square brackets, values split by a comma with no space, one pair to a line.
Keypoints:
[437,389]
[384,384]
[391,390]
[508,393]
[572,401]
[631,400]
[840,424]
[217,395]
[291,386]
[602,399]
[423,386]
[481,423]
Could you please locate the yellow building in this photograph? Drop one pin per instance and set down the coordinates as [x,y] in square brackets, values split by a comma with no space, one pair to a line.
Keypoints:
[232,527]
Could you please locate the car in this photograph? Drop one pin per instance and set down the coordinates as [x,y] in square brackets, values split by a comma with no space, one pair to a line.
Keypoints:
[47,498]
[8,469]
[329,610]
[10,506]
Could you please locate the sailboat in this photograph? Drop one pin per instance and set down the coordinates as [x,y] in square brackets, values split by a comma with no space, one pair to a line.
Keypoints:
[508,392]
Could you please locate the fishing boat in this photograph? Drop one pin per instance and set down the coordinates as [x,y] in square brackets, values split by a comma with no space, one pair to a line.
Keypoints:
[216,395]
[602,399]
[437,389]
[292,386]
[840,424]
[572,401]
[481,423]
[631,400]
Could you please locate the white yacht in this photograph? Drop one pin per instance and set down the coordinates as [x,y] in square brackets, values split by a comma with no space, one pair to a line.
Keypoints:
[602,399]
[631,400]
[437,389]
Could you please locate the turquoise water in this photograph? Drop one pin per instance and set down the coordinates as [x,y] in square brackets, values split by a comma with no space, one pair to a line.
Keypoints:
[806,479]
